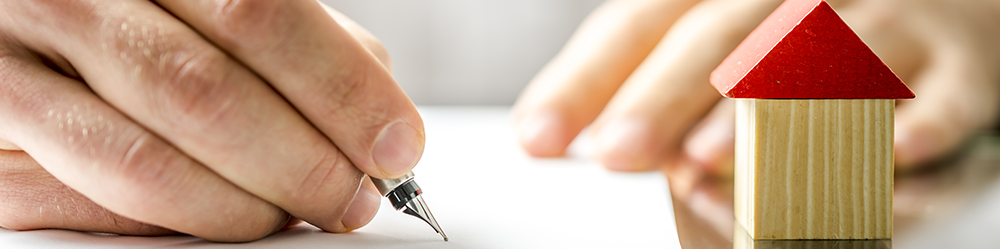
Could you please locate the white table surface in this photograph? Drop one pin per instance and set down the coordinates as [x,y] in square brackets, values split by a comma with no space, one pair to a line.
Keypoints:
[486,193]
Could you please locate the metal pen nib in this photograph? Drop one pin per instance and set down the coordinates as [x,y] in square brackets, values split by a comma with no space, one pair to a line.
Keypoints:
[404,194]
[418,208]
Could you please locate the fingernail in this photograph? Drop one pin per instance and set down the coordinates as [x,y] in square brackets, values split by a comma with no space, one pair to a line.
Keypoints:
[397,149]
[541,135]
[362,209]
[625,146]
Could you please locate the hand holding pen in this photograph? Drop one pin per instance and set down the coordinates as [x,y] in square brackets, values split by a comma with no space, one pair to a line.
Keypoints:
[223,121]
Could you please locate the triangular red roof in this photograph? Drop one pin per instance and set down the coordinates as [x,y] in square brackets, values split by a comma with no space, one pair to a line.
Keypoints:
[805,51]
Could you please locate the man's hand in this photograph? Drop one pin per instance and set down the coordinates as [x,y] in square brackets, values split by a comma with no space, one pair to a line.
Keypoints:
[637,72]
[220,119]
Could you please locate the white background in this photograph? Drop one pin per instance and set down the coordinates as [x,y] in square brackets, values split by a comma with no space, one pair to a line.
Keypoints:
[467,51]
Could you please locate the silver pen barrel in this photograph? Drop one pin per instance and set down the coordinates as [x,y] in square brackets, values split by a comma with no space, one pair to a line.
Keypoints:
[404,195]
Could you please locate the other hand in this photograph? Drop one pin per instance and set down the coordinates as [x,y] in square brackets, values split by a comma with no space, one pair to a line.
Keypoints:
[636,73]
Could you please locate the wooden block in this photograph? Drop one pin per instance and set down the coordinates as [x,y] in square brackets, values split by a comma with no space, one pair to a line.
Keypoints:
[814,168]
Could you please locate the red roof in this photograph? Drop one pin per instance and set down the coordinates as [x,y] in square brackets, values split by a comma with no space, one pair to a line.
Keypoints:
[805,51]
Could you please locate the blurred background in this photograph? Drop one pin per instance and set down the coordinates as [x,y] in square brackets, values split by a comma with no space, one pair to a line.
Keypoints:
[483,52]
[467,52]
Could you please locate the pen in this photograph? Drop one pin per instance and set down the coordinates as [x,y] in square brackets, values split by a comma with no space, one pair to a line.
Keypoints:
[404,194]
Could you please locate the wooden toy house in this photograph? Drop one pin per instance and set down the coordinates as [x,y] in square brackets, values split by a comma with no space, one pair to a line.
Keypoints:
[814,128]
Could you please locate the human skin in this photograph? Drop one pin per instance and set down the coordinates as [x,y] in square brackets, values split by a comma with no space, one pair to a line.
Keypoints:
[636,73]
[226,120]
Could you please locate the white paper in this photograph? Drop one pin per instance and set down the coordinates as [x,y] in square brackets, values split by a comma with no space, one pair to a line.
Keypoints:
[485,192]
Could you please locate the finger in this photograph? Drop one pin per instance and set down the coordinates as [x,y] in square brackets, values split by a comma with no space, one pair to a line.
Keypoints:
[364,206]
[4,145]
[957,90]
[30,199]
[323,71]
[97,151]
[669,92]
[956,97]
[711,143]
[165,76]
[572,89]
[362,35]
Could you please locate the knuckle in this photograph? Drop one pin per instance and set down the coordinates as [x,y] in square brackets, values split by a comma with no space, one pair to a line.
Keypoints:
[347,90]
[144,166]
[328,187]
[198,90]
[142,163]
[324,169]
[148,166]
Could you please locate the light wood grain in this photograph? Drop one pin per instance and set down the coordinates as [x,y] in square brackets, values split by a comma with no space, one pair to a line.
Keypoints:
[814,168]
